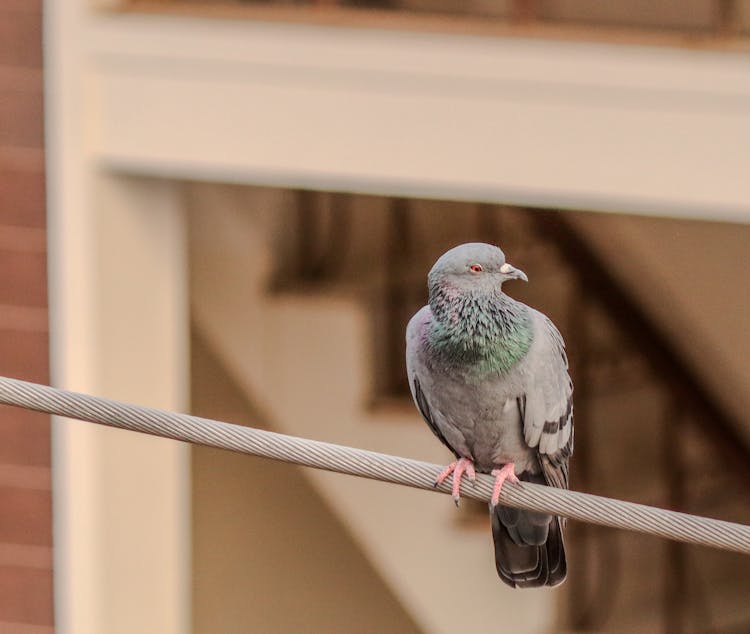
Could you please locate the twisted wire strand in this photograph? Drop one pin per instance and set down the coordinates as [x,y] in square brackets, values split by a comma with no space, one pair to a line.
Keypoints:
[369,464]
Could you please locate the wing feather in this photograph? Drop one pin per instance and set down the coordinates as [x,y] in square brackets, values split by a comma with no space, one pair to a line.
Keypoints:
[548,402]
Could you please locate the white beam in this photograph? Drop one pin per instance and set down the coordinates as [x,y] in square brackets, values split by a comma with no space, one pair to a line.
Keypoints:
[540,122]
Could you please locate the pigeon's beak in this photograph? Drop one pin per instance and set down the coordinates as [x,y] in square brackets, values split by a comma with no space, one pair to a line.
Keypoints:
[512,273]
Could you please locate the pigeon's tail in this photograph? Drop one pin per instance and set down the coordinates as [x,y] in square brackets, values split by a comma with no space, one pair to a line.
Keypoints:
[529,548]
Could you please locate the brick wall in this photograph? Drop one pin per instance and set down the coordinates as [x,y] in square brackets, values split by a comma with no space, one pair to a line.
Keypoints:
[25,495]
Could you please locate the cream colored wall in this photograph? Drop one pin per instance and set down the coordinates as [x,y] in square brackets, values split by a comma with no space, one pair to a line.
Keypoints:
[268,554]
[121,523]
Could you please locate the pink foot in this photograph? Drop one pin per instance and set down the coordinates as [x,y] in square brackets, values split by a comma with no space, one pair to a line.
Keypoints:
[457,468]
[501,475]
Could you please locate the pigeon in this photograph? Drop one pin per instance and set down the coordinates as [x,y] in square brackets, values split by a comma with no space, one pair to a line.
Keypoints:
[489,375]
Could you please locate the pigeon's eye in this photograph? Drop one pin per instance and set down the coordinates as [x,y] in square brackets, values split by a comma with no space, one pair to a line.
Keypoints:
[476,268]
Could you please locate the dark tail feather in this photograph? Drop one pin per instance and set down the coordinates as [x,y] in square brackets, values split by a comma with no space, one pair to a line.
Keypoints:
[529,548]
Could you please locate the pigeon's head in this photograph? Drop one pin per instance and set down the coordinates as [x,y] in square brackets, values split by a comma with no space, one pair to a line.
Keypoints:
[473,267]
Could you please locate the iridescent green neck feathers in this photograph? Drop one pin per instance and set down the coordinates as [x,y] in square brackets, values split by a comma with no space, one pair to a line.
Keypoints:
[483,333]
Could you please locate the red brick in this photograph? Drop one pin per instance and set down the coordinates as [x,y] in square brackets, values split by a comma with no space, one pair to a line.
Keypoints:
[26,595]
[24,437]
[22,200]
[25,556]
[15,158]
[24,355]
[20,35]
[25,513]
[20,79]
[25,516]
[24,318]
[22,6]
[21,117]
[23,280]
[25,628]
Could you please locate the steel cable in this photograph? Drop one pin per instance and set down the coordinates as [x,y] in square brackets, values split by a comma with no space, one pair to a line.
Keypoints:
[369,464]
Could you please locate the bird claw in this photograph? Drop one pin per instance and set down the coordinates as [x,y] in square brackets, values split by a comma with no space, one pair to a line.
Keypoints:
[501,475]
[458,469]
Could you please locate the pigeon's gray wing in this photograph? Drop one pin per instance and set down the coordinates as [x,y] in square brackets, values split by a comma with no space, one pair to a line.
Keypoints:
[529,547]
[414,338]
[547,404]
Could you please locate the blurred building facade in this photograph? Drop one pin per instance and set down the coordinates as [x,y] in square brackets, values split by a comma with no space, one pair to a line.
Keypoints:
[244,201]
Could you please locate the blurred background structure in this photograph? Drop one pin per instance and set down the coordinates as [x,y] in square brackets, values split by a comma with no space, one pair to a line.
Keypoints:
[242,202]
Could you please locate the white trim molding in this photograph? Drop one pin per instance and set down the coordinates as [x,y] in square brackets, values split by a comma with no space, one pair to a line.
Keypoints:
[118,326]
[538,122]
